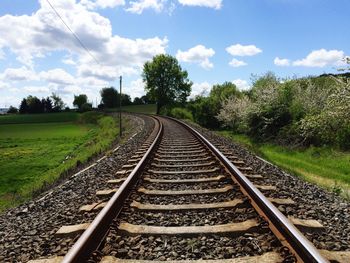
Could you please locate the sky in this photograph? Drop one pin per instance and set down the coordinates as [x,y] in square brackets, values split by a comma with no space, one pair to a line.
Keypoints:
[214,40]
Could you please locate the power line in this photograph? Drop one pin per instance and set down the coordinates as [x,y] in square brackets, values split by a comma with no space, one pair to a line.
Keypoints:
[75,35]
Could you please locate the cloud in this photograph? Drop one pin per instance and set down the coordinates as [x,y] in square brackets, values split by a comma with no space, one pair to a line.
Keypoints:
[57,76]
[18,74]
[4,85]
[322,58]
[137,7]
[198,54]
[241,84]
[135,89]
[37,89]
[95,4]
[237,63]
[200,89]
[41,33]
[281,62]
[240,50]
[216,4]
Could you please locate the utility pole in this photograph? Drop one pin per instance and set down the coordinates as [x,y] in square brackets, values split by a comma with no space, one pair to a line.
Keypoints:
[120,107]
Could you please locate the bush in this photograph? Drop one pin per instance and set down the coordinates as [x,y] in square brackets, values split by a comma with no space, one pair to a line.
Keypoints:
[91,117]
[12,110]
[86,107]
[181,113]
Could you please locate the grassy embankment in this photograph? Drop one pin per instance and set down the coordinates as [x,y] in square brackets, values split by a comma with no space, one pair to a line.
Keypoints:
[326,167]
[146,109]
[36,149]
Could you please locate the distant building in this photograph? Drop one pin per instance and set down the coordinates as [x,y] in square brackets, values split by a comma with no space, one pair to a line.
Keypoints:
[3,111]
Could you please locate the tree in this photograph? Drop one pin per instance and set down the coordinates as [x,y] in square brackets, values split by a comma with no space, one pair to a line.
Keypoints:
[46,104]
[138,101]
[12,110]
[109,97]
[23,108]
[126,100]
[165,80]
[79,101]
[34,105]
[58,103]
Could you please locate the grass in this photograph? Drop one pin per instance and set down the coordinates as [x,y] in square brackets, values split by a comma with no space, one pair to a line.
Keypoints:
[146,109]
[39,118]
[36,154]
[324,166]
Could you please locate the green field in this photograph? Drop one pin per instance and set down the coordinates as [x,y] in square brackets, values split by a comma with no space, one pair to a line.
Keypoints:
[37,118]
[326,167]
[33,154]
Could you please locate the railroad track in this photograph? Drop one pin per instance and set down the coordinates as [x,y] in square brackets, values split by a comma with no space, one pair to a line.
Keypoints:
[180,198]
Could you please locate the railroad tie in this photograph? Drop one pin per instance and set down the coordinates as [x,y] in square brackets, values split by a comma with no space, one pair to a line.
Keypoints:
[182,160]
[92,207]
[116,181]
[185,181]
[185,192]
[123,172]
[185,172]
[232,229]
[269,257]
[266,187]
[182,165]
[72,230]
[184,207]
[307,225]
[106,193]
[254,176]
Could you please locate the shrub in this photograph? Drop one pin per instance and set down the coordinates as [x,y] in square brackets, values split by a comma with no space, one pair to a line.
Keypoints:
[181,113]
[91,117]
[86,107]
[233,113]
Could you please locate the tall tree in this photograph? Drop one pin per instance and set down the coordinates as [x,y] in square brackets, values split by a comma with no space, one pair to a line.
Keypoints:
[48,104]
[165,80]
[79,101]
[58,103]
[34,105]
[23,108]
[109,97]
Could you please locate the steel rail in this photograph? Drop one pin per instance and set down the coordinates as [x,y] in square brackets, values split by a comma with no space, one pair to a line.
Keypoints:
[92,237]
[287,233]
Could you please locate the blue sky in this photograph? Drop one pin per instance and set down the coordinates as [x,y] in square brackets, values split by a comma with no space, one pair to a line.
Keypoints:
[214,40]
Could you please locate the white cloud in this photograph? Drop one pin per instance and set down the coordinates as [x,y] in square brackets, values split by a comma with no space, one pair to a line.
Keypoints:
[135,89]
[94,4]
[241,84]
[57,76]
[216,4]
[4,85]
[237,63]
[321,58]
[198,54]
[281,62]
[139,6]
[42,33]
[37,89]
[18,74]
[240,50]
[202,89]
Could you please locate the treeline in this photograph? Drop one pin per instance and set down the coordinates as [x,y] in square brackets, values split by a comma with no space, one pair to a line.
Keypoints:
[295,112]
[109,99]
[32,104]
